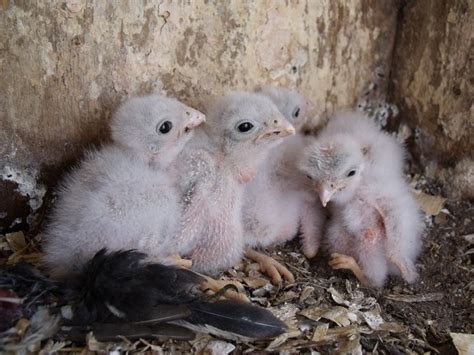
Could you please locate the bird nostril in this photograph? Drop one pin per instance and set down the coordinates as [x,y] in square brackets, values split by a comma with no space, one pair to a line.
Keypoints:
[277,132]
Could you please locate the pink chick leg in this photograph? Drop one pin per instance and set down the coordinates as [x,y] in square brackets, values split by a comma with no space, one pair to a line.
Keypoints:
[311,226]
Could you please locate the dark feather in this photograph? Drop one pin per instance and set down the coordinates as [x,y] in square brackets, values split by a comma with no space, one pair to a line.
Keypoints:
[108,332]
[243,319]
[119,293]
[27,289]
[132,331]
[166,313]
[120,285]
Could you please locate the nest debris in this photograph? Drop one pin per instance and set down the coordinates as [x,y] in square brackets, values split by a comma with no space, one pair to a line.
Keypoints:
[327,311]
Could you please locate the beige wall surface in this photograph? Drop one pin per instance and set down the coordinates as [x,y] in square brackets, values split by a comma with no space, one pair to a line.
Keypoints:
[65,65]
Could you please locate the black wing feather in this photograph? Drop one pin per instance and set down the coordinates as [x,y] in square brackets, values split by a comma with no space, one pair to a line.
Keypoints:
[121,285]
[134,298]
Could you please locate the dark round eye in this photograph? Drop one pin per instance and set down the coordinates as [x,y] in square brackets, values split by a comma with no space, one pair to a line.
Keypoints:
[245,126]
[165,127]
[296,113]
[351,173]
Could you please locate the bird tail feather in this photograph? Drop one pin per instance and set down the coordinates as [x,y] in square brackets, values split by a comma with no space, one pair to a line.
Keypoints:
[229,317]
[122,286]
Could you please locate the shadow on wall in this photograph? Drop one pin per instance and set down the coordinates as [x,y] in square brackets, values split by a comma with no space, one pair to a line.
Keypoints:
[66,66]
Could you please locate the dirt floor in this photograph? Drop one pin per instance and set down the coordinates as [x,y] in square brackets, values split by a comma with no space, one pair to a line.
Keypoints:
[329,312]
[417,318]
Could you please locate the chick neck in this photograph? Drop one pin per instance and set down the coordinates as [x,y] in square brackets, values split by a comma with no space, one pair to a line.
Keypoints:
[155,161]
[241,164]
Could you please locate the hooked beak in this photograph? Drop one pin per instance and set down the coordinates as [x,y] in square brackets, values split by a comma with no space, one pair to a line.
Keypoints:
[281,129]
[285,129]
[325,193]
[194,120]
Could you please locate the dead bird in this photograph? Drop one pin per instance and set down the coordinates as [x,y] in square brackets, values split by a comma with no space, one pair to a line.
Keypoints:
[120,293]
[375,226]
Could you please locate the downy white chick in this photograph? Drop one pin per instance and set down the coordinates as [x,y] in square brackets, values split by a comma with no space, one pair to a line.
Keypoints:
[224,155]
[375,228]
[122,196]
[280,200]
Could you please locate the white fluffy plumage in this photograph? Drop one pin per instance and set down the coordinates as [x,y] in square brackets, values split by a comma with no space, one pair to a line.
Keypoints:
[122,196]
[375,226]
[280,201]
[214,168]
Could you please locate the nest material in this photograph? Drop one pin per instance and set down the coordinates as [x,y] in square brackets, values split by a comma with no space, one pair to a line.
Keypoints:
[326,310]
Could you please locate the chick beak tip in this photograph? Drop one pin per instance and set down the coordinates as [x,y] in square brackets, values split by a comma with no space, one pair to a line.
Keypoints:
[287,131]
[325,195]
[195,121]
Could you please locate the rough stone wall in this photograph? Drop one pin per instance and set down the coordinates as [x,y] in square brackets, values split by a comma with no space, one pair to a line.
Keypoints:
[65,65]
[433,85]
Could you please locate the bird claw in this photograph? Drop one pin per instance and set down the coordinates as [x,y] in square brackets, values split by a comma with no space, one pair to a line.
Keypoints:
[346,262]
[271,267]
[225,288]
[276,271]
[340,261]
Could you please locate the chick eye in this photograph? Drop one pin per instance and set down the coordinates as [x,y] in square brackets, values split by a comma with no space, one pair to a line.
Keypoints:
[245,127]
[309,177]
[351,173]
[165,127]
[296,113]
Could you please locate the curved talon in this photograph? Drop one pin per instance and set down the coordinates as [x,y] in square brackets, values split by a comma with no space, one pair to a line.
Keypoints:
[340,261]
[346,262]
[222,288]
[271,267]
[222,292]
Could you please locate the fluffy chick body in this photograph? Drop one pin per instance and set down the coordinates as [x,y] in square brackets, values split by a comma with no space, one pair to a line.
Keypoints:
[122,196]
[214,169]
[280,201]
[374,217]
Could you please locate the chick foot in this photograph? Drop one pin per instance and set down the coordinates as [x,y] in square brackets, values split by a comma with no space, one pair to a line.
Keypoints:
[345,262]
[271,267]
[179,261]
[222,287]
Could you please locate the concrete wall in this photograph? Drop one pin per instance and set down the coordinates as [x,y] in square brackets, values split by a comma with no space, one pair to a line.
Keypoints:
[66,65]
[433,85]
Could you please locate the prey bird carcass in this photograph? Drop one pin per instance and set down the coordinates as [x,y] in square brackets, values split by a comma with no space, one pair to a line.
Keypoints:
[121,294]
